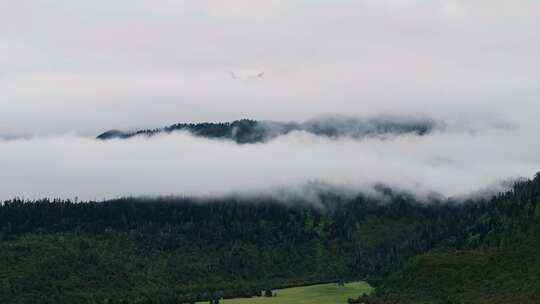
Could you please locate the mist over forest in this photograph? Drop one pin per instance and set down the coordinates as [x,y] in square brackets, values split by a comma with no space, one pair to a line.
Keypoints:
[300,151]
[421,156]
[345,97]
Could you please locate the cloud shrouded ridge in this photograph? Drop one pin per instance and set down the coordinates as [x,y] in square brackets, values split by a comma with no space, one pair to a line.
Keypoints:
[331,126]
[452,159]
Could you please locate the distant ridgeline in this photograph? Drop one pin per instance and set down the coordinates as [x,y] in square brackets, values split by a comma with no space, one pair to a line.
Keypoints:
[251,131]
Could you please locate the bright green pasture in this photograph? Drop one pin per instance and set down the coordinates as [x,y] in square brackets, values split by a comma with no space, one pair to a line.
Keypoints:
[314,294]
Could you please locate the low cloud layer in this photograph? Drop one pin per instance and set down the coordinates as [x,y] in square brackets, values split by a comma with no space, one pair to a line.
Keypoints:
[82,67]
[450,163]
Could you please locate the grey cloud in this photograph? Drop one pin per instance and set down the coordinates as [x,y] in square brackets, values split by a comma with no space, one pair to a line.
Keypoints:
[180,164]
[80,67]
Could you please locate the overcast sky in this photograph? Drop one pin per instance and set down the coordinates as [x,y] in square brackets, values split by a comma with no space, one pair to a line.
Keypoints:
[86,66]
[76,68]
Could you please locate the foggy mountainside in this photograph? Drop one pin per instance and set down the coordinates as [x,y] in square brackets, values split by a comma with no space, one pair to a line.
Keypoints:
[251,131]
[269,152]
[180,250]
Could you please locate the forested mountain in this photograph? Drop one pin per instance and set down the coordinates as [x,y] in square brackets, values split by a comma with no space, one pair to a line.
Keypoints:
[175,250]
[201,250]
[252,131]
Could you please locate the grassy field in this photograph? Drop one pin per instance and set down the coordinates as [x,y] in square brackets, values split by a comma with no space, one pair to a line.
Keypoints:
[314,294]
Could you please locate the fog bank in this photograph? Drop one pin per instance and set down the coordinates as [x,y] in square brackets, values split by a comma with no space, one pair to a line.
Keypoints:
[449,163]
[73,69]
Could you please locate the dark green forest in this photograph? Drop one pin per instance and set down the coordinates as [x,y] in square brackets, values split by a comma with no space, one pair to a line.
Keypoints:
[500,264]
[181,250]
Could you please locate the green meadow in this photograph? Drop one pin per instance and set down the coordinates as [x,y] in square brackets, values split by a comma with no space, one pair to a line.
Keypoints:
[314,294]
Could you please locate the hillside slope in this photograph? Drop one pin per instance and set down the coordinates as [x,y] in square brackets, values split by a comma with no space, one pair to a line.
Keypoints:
[484,276]
[151,249]
[502,266]
[183,249]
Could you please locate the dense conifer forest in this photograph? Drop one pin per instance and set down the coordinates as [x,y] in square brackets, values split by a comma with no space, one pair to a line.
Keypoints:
[500,264]
[181,250]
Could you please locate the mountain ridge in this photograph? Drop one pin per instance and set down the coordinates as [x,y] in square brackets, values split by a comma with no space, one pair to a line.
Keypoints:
[248,131]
